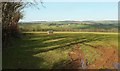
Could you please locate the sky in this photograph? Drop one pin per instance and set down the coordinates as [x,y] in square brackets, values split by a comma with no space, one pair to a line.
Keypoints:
[77,11]
[74,0]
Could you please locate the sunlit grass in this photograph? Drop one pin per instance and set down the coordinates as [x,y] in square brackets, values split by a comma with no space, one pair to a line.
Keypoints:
[78,32]
[54,40]
[40,50]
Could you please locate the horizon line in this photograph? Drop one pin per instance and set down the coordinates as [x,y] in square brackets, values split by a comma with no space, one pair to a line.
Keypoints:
[68,20]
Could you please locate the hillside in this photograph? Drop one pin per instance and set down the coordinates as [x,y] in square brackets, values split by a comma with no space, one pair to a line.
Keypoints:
[106,25]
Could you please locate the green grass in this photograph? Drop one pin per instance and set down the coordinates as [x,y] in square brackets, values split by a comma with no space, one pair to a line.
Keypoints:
[39,50]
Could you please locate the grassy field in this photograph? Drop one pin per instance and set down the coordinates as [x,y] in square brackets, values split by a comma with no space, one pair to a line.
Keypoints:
[39,50]
[103,26]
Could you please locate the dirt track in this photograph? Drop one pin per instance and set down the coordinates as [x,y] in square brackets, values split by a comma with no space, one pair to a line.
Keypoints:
[108,57]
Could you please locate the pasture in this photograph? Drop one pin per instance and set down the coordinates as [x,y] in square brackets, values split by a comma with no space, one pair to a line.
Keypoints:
[38,50]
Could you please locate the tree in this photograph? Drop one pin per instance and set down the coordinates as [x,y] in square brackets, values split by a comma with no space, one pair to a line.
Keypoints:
[11,14]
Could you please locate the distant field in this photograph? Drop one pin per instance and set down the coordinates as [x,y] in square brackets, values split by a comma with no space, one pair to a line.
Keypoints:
[39,50]
[71,26]
[79,32]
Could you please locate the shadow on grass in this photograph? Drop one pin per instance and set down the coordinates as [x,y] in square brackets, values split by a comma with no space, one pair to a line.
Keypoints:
[21,54]
[69,44]
[45,47]
[18,58]
[60,65]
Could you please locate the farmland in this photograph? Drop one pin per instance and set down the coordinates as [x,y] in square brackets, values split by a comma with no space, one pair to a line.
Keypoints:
[70,26]
[38,50]
[59,35]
